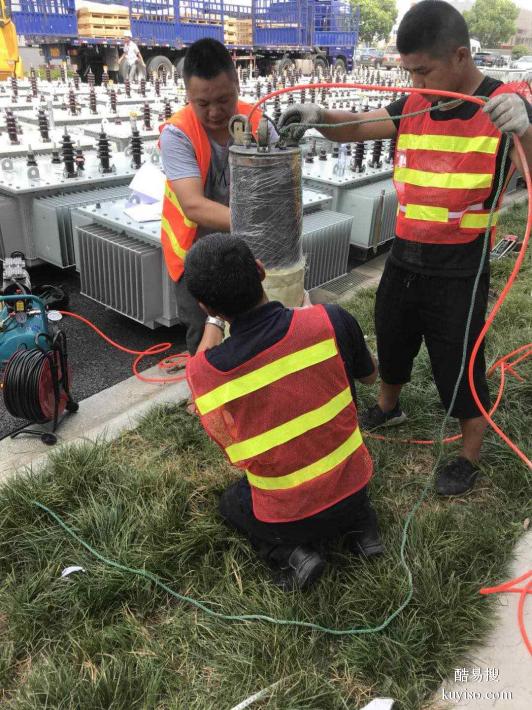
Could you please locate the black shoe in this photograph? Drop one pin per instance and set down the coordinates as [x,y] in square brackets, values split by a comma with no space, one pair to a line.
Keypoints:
[374,417]
[456,477]
[367,541]
[305,566]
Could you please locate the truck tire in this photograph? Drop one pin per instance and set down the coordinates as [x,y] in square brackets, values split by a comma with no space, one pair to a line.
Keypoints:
[178,64]
[340,65]
[158,63]
[123,72]
[285,64]
[321,62]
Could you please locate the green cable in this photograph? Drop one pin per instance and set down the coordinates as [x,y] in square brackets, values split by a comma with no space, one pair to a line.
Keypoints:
[308,624]
[293,127]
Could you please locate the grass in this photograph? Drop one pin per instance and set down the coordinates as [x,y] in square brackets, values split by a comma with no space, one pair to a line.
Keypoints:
[104,639]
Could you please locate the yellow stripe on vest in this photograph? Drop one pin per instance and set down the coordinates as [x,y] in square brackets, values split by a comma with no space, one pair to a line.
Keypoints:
[455,181]
[448,144]
[170,194]
[313,470]
[427,213]
[266,375]
[176,246]
[470,220]
[289,430]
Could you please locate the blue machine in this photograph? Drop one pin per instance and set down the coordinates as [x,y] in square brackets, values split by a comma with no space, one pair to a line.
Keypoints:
[22,318]
[34,372]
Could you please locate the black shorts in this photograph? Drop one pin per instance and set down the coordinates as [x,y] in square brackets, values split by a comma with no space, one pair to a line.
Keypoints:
[410,308]
[275,541]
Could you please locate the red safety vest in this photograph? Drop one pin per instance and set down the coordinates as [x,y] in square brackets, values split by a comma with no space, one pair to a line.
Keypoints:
[177,231]
[287,418]
[444,172]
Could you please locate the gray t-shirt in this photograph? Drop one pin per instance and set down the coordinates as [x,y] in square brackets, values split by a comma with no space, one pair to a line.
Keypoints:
[179,162]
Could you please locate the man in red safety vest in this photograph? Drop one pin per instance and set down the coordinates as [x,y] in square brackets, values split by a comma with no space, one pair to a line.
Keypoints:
[194,146]
[446,174]
[278,396]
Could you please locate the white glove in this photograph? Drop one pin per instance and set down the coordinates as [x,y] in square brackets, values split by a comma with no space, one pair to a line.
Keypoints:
[300,113]
[508,112]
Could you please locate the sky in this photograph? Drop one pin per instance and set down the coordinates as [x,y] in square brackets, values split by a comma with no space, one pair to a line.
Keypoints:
[403,5]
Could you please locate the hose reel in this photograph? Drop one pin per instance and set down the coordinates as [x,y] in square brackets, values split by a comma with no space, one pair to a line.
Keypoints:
[36,376]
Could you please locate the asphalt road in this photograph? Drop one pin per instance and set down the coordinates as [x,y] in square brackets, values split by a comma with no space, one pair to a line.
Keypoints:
[95,364]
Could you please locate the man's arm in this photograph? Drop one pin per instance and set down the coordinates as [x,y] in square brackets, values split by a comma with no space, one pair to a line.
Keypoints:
[512,114]
[309,114]
[182,170]
[360,363]
[198,208]
[358,132]
[526,143]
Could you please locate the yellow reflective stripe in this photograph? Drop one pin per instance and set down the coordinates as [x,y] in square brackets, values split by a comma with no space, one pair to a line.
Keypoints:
[266,375]
[178,249]
[448,144]
[470,220]
[313,470]
[170,194]
[460,181]
[427,213]
[289,430]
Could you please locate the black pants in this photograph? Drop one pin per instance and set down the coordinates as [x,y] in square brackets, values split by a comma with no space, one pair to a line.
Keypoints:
[274,542]
[410,308]
[190,314]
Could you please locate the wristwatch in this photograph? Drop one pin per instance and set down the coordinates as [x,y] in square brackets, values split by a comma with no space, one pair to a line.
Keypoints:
[218,322]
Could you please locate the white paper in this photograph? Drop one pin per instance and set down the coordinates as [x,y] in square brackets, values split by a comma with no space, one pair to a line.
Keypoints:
[70,570]
[145,212]
[380,704]
[149,182]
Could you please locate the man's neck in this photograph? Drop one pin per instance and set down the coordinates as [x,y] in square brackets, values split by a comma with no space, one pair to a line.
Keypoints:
[220,137]
[264,300]
[468,87]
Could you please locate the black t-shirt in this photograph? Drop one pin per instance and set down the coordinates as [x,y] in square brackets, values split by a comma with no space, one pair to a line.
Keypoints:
[453,260]
[259,329]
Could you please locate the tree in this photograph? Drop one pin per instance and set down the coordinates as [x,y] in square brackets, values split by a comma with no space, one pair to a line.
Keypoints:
[377,18]
[492,21]
[519,51]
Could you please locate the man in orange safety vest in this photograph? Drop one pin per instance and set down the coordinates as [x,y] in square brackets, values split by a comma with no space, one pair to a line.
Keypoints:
[194,146]
[446,174]
[278,396]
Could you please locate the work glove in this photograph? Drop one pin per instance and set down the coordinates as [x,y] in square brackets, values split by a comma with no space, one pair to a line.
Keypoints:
[299,114]
[508,112]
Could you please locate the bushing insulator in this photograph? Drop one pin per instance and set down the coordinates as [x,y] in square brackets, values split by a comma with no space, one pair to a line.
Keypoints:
[44,126]
[146,115]
[104,153]
[67,148]
[11,126]
[136,148]
[92,101]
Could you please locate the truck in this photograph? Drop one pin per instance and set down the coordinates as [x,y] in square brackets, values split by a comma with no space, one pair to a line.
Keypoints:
[264,34]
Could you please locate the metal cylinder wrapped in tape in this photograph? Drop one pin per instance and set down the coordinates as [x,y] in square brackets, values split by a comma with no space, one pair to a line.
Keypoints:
[266,203]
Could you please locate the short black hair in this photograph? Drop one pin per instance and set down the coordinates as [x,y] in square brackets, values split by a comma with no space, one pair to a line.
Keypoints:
[207,58]
[221,272]
[434,27]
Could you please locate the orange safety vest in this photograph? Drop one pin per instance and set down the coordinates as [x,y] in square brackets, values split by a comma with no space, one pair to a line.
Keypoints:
[444,172]
[178,232]
[287,418]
